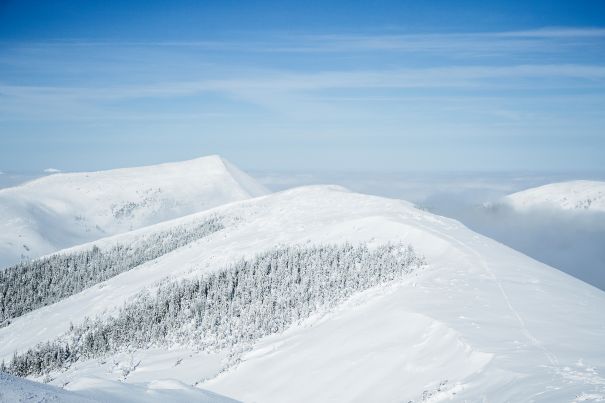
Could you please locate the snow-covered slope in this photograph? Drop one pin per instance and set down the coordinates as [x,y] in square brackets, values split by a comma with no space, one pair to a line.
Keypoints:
[13,389]
[578,195]
[62,210]
[481,322]
[18,390]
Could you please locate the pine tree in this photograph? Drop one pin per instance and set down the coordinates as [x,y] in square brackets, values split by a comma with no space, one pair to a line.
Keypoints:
[230,307]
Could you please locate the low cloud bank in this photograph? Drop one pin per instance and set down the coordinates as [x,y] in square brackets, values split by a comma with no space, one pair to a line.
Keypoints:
[572,242]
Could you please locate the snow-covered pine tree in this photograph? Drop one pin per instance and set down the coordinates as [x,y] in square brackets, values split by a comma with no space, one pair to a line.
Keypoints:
[32,285]
[230,307]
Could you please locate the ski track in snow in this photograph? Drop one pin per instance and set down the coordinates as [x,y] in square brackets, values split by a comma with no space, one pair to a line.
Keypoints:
[480,261]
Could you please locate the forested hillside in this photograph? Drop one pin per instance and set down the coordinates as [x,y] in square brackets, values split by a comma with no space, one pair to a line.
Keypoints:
[31,285]
[241,303]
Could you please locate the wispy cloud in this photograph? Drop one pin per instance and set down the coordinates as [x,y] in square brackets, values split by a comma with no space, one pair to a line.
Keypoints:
[288,93]
[276,81]
[555,33]
[547,39]
[519,83]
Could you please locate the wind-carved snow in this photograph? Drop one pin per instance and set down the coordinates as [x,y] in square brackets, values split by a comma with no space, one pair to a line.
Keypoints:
[572,196]
[64,210]
[480,322]
[369,349]
[13,389]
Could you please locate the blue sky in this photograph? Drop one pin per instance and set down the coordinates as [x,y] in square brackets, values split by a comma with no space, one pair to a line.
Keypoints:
[351,85]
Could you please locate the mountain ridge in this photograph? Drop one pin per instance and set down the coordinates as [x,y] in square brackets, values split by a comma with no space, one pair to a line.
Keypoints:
[66,209]
[490,309]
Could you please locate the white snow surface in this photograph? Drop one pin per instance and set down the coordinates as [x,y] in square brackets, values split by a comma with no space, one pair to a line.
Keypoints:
[90,390]
[62,210]
[581,195]
[481,322]
[13,389]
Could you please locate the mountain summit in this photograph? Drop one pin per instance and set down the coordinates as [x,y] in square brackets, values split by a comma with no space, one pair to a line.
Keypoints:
[580,195]
[62,210]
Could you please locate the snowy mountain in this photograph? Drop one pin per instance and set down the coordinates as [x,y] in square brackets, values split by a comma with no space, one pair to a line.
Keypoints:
[274,306]
[62,210]
[578,195]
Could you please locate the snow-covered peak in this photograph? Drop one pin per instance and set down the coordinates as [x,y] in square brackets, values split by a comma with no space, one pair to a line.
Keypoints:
[580,195]
[66,209]
[199,170]
[247,183]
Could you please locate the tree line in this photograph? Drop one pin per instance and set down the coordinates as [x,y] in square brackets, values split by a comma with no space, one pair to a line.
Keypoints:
[238,304]
[31,285]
